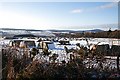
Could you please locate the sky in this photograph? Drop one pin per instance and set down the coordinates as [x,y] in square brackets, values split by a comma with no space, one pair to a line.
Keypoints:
[58,15]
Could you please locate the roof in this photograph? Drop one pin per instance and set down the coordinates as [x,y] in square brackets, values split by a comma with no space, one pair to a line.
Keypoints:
[23,39]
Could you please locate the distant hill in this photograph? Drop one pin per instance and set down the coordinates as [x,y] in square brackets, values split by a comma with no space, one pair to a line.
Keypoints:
[73,31]
[31,30]
[94,30]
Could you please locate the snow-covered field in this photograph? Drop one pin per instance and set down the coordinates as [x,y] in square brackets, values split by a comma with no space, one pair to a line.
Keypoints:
[63,56]
[110,41]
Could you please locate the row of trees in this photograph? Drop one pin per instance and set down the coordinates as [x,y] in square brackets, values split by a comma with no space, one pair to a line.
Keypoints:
[103,34]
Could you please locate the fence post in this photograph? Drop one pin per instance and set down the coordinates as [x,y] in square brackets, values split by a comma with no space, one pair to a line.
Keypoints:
[118,63]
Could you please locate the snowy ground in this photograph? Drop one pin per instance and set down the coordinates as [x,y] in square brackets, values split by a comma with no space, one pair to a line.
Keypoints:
[106,64]
[110,41]
[59,49]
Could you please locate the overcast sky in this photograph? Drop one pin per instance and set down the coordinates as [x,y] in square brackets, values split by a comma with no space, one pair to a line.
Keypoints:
[57,15]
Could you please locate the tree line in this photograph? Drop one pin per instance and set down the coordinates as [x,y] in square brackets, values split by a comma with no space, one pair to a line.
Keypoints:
[103,34]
